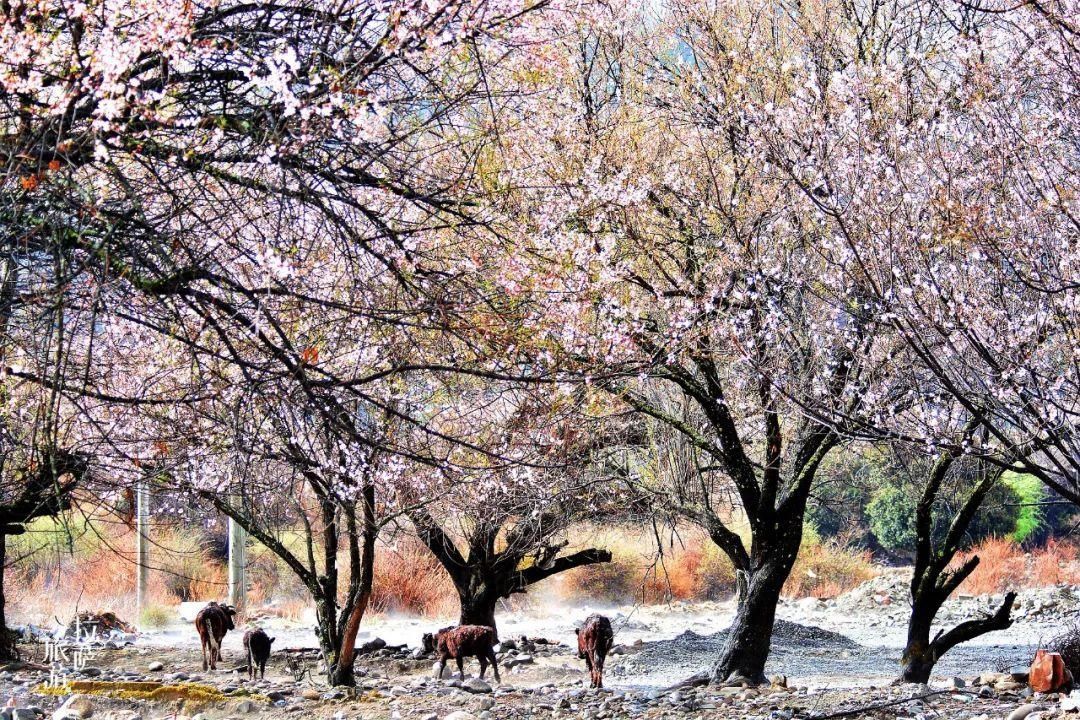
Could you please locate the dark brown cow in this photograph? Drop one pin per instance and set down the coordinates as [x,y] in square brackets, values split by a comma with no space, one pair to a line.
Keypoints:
[257,645]
[461,642]
[212,622]
[594,640]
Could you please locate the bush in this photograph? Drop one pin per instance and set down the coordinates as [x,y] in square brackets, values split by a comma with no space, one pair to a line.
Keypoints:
[891,514]
[825,569]
[155,616]
[408,579]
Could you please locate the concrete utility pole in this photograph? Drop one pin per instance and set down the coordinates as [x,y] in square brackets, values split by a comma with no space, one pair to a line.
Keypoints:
[142,543]
[237,561]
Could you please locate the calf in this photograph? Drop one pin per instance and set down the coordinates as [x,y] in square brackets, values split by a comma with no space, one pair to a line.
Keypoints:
[212,622]
[594,640]
[461,642]
[257,645]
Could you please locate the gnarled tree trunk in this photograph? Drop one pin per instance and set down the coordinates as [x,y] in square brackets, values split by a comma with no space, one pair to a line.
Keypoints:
[485,576]
[933,582]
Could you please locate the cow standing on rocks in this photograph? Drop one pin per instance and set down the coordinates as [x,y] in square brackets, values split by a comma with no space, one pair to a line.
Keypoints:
[257,645]
[212,622]
[461,642]
[594,640]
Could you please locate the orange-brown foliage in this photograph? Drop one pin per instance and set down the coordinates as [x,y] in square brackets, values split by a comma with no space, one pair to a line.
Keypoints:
[1004,565]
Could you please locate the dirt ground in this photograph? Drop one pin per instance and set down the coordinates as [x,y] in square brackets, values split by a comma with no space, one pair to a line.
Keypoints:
[828,658]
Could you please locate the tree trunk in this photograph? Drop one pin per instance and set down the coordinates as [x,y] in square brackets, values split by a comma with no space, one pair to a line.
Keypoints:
[477,608]
[362,571]
[921,653]
[7,638]
[746,648]
[918,659]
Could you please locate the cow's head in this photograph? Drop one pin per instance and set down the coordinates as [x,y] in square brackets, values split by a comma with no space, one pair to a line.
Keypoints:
[230,612]
[428,642]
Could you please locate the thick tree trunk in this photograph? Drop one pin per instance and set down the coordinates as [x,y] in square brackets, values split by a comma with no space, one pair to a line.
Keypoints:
[918,659]
[750,636]
[7,638]
[477,608]
[921,653]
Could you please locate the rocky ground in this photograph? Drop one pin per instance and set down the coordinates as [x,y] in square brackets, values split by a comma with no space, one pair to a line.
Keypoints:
[829,657]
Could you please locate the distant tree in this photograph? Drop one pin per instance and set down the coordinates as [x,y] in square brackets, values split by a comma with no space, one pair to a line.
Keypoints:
[499,529]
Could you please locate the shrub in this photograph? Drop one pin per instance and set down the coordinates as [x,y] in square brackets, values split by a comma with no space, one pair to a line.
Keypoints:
[155,616]
[827,569]
[891,514]
[408,579]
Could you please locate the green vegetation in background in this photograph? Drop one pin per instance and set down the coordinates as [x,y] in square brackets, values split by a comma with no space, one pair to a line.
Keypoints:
[891,514]
[1032,516]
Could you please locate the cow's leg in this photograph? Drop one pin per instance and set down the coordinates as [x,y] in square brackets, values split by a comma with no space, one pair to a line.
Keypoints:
[461,665]
[494,664]
[599,665]
[483,664]
[442,666]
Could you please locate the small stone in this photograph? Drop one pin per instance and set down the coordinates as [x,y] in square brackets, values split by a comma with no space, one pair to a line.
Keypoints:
[246,707]
[956,683]
[1071,703]
[310,694]
[156,666]
[1023,711]
[486,703]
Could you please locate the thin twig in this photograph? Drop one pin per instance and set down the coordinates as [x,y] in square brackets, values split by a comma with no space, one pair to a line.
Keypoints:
[879,706]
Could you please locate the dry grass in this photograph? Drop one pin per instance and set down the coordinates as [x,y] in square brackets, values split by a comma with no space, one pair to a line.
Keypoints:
[1005,565]
[94,570]
[693,568]
[827,569]
[408,579]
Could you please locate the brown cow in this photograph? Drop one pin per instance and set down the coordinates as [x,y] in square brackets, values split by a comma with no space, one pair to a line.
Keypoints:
[461,642]
[212,622]
[257,645]
[594,640]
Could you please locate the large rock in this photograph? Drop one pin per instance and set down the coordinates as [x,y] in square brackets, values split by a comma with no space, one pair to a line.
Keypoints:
[476,685]
[75,707]
[1024,710]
